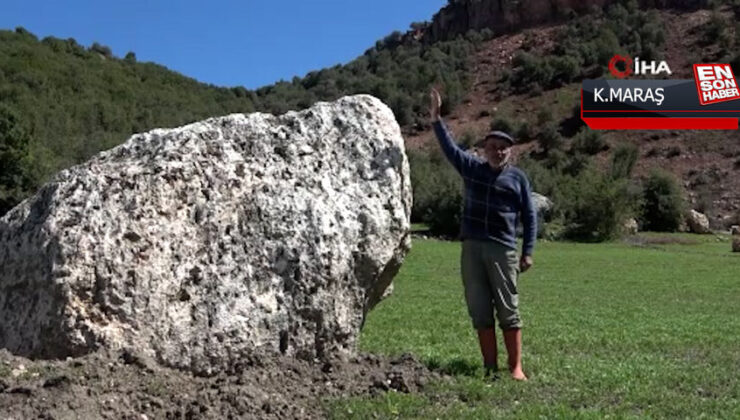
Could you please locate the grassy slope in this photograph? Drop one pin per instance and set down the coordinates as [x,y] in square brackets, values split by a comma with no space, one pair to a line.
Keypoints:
[610,329]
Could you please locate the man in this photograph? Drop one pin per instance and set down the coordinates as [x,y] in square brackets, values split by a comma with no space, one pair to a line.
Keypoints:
[496,193]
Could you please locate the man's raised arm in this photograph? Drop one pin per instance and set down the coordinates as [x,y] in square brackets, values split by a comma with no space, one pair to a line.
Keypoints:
[458,157]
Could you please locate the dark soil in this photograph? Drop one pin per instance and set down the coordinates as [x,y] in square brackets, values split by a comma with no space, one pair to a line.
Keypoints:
[120,386]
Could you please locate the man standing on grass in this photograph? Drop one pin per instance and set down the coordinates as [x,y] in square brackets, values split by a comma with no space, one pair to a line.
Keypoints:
[496,193]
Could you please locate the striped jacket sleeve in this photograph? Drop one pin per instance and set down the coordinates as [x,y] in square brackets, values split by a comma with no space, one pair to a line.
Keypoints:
[461,160]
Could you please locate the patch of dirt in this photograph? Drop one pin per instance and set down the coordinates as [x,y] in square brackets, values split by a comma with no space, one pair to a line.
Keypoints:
[120,386]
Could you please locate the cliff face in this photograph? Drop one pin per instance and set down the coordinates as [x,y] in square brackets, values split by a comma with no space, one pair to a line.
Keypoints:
[504,16]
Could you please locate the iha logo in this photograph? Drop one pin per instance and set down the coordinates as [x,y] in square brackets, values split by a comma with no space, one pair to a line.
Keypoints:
[636,67]
[715,83]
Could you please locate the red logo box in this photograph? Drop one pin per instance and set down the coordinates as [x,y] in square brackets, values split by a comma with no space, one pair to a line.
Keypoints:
[715,83]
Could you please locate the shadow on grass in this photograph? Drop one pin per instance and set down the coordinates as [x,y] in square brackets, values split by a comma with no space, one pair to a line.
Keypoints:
[456,366]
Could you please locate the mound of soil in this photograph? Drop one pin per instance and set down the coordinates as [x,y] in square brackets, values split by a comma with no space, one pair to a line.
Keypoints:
[120,386]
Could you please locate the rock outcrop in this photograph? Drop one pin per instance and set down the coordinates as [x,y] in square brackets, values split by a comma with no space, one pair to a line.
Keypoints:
[198,245]
[630,226]
[503,16]
[697,222]
[543,206]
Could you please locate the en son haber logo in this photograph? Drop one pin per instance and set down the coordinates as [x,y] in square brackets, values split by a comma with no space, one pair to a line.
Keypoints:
[715,83]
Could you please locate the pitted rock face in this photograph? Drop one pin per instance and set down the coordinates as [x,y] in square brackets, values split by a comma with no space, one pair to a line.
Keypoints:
[197,245]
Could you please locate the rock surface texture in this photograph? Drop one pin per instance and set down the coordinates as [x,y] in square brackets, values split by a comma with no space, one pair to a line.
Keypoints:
[198,245]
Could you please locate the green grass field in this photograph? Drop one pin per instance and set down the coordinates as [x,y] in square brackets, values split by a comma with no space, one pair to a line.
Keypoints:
[620,330]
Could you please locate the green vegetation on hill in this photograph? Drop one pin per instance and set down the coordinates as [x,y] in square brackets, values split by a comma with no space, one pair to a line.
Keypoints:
[71,101]
[61,102]
[585,46]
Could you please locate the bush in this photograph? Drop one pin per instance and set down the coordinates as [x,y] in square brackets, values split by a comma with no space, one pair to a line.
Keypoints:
[523,132]
[589,142]
[589,204]
[502,124]
[15,180]
[530,70]
[623,160]
[437,190]
[664,203]
[575,164]
[564,69]
[549,138]
[544,115]
[103,50]
[598,207]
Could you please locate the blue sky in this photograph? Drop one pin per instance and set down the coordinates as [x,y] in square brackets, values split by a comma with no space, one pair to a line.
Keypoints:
[227,43]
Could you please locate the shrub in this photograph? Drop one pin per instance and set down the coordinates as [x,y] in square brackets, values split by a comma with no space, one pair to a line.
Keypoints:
[530,70]
[623,160]
[564,69]
[664,203]
[103,50]
[598,207]
[437,191]
[715,28]
[15,180]
[549,138]
[444,217]
[523,132]
[502,124]
[575,164]
[544,115]
[589,142]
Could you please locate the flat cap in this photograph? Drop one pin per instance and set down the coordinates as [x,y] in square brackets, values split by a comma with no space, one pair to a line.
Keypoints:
[496,134]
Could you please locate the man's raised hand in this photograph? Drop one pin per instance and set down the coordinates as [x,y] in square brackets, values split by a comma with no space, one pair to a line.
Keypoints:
[435,104]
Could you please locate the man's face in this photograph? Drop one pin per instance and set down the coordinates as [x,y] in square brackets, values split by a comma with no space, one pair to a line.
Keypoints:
[497,151]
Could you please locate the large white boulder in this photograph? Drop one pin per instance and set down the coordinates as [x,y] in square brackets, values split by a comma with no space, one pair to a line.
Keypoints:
[197,245]
[698,222]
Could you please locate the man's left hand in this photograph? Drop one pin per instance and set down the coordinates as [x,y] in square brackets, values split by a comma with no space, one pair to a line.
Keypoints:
[525,262]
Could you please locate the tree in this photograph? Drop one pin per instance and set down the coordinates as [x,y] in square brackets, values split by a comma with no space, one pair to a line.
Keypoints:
[103,50]
[14,140]
[664,204]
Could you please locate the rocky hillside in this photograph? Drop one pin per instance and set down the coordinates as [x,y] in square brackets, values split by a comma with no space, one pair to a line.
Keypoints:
[502,16]
[707,162]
